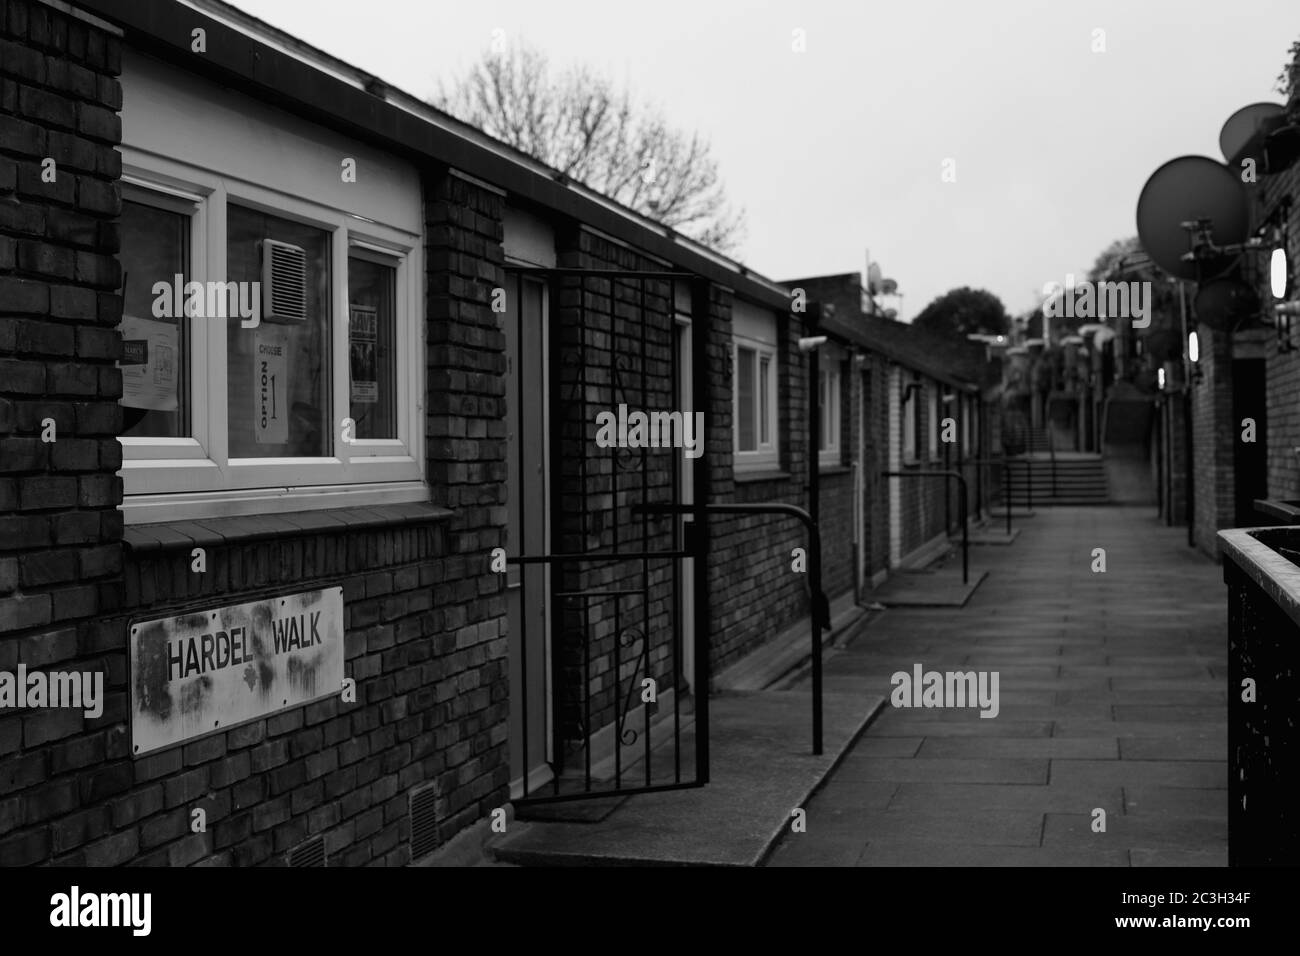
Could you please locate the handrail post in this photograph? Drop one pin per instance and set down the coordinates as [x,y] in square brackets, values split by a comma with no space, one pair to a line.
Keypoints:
[1051,447]
[1006,491]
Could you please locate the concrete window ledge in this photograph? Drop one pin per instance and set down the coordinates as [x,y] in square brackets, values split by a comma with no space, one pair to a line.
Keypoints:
[748,477]
[240,529]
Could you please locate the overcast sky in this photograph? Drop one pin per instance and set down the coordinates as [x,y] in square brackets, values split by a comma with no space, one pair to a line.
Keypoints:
[839,149]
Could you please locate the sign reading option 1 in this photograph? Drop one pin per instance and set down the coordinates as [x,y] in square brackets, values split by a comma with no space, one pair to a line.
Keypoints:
[198,673]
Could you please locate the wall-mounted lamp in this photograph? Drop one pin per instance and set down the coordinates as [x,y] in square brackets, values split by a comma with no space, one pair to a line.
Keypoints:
[1161,379]
[859,359]
[1194,355]
[812,342]
[908,389]
[1279,273]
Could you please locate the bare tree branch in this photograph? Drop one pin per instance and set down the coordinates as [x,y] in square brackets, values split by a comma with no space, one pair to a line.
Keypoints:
[581,125]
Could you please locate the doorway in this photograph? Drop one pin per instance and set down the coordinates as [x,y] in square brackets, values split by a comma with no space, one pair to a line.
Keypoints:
[528,533]
[1250,458]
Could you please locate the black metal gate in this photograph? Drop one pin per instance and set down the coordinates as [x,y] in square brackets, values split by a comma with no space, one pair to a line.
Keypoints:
[623,719]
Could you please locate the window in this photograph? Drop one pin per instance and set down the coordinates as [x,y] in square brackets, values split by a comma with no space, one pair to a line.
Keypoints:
[910,393]
[155,249]
[274,351]
[754,359]
[932,421]
[828,402]
[967,413]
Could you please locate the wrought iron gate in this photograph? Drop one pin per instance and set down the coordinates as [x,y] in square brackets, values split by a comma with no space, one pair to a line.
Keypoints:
[622,718]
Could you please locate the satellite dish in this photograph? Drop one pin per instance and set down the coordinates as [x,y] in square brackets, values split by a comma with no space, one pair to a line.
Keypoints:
[1263,133]
[1244,126]
[1184,190]
[888,287]
[1224,302]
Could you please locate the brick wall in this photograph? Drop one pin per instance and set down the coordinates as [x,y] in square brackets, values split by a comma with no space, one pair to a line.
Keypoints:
[425,636]
[921,499]
[60,533]
[755,592]
[467,473]
[1283,368]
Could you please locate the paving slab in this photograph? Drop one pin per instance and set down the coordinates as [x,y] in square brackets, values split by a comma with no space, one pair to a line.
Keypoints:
[856,767]
[943,588]
[1146,856]
[1059,748]
[934,797]
[1136,832]
[936,854]
[1174,748]
[1204,774]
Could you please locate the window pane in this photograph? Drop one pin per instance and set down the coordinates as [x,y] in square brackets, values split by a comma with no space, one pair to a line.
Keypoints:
[745,399]
[155,380]
[372,356]
[825,436]
[278,373]
[764,386]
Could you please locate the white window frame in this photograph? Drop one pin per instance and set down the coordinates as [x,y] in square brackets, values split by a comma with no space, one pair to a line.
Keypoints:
[169,479]
[911,397]
[932,426]
[829,405]
[755,330]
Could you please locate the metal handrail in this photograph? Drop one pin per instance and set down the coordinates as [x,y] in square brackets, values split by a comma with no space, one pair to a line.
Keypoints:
[1006,492]
[820,616]
[961,480]
[1051,448]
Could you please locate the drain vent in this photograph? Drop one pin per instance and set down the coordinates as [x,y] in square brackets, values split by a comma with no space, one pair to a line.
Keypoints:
[424,820]
[311,853]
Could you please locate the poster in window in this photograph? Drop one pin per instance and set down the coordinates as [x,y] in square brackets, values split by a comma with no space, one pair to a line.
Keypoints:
[361,353]
[149,356]
[270,387]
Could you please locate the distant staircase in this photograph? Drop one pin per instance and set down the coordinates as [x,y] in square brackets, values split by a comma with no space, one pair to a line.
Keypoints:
[1036,441]
[1080,479]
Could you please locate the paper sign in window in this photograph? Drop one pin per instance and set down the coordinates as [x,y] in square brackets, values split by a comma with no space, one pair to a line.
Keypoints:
[270,388]
[150,352]
[363,339]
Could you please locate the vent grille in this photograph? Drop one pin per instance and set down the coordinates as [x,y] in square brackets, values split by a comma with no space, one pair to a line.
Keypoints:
[284,281]
[311,853]
[424,821]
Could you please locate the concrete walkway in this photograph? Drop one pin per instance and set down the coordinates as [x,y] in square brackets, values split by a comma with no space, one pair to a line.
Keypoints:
[1112,694]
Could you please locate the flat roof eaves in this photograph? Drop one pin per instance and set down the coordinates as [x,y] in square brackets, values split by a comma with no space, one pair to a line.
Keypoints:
[252,57]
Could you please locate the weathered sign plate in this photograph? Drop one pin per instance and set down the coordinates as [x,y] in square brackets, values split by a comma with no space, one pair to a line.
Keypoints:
[207,671]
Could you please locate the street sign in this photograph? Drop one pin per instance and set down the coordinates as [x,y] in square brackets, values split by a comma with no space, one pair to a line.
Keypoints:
[207,671]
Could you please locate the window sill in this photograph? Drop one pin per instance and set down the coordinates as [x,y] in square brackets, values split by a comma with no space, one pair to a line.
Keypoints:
[238,529]
[762,474]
